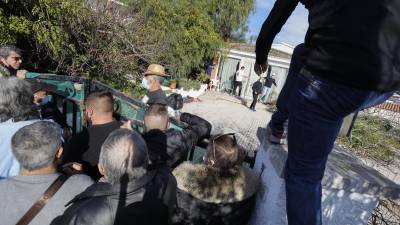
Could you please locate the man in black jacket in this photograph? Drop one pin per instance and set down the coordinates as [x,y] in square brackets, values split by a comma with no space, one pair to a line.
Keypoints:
[257,86]
[132,194]
[351,62]
[171,146]
[85,146]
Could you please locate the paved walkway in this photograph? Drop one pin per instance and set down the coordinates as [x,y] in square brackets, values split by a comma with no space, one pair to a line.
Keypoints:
[229,114]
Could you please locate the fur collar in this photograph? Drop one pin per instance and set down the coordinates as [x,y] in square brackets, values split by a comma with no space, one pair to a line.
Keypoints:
[215,186]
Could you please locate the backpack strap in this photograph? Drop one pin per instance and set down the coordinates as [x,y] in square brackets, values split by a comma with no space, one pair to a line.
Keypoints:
[41,202]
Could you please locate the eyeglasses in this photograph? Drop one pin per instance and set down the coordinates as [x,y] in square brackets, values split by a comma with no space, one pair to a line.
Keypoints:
[17,58]
[214,139]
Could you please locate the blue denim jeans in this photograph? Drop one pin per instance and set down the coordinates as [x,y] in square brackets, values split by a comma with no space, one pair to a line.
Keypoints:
[316,108]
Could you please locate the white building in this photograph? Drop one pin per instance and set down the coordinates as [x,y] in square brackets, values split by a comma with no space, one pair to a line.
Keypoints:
[244,55]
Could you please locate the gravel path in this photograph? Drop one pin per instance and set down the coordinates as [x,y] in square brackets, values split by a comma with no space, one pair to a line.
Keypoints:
[228,114]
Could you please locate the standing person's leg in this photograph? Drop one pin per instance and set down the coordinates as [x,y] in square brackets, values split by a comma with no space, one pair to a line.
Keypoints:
[278,119]
[234,87]
[264,94]
[240,88]
[316,114]
[255,98]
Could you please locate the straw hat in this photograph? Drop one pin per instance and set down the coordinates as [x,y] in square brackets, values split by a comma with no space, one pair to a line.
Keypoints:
[155,69]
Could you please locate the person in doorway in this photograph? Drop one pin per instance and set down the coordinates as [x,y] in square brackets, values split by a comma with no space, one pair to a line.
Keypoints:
[10,61]
[267,87]
[344,70]
[257,86]
[239,76]
[152,80]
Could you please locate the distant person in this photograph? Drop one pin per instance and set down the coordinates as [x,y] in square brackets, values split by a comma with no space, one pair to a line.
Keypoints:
[345,69]
[171,146]
[256,87]
[10,61]
[267,87]
[153,78]
[37,147]
[16,111]
[239,76]
[131,194]
[85,146]
[219,191]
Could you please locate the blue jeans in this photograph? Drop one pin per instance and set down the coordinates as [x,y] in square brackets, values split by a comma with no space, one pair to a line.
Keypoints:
[316,108]
[264,94]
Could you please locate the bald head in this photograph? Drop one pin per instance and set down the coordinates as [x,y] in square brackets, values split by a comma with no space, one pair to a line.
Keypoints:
[101,102]
[156,117]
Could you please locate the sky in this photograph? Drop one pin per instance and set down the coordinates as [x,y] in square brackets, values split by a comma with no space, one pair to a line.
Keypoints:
[293,31]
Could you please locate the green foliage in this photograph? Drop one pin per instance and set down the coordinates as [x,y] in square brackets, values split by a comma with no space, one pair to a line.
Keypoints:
[202,77]
[188,84]
[75,38]
[373,137]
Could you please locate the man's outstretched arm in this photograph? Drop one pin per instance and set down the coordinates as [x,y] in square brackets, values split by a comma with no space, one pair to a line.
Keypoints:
[271,27]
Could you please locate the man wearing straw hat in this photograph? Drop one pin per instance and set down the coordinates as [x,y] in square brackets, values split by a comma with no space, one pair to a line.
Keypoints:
[153,78]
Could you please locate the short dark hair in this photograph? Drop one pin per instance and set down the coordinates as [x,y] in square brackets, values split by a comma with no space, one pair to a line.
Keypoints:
[100,101]
[6,49]
[227,152]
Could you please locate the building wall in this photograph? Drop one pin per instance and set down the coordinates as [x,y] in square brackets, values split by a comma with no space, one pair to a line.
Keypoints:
[235,59]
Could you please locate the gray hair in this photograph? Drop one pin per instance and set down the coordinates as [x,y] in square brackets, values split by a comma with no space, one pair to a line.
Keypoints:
[124,156]
[35,145]
[16,100]
[6,49]
[158,79]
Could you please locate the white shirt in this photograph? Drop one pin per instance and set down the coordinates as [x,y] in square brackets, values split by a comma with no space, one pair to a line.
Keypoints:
[239,75]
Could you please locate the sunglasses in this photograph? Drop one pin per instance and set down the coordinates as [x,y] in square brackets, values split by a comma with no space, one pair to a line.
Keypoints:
[214,139]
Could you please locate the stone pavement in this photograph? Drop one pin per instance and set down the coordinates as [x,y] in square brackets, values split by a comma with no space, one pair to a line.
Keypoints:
[229,114]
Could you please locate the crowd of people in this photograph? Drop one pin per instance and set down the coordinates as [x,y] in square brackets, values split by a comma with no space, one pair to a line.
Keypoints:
[349,61]
[109,173]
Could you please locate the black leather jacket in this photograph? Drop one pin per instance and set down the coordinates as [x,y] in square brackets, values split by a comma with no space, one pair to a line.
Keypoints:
[147,200]
[172,146]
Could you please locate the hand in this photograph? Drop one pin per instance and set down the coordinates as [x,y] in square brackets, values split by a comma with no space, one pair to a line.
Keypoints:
[260,68]
[127,125]
[21,74]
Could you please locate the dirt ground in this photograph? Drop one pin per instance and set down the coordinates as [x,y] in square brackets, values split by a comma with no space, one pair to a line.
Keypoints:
[229,114]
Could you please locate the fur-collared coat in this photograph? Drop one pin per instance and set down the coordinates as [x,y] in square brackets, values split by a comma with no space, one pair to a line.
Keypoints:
[207,195]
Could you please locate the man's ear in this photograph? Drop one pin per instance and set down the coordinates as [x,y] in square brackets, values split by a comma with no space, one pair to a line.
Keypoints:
[101,169]
[59,153]
[89,111]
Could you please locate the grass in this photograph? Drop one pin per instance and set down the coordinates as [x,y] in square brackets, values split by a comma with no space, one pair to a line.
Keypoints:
[373,137]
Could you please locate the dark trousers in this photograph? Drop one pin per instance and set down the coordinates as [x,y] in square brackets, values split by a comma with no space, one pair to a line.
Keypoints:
[315,108]
[237,84]
[253,104]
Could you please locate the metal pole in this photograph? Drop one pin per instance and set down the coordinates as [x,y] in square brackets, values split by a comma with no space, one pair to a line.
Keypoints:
[352,124]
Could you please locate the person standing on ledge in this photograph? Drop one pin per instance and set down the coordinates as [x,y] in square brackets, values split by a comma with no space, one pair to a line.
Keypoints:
[351,63]
[152,80]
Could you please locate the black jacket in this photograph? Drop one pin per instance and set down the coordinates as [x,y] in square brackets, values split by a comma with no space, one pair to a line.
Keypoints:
[209,196]
[172,146]
[85,146]
[147,201]
[257,87]
[353,42]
